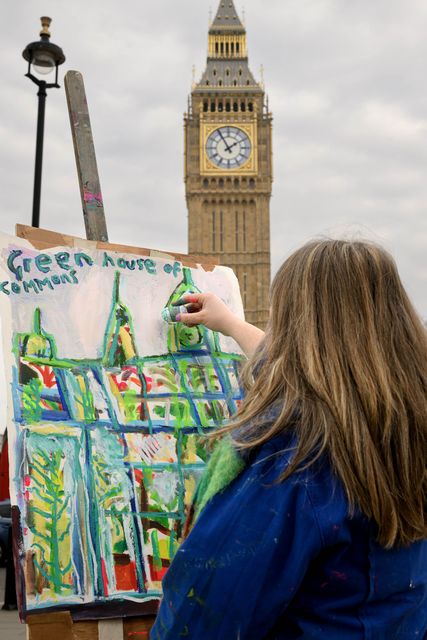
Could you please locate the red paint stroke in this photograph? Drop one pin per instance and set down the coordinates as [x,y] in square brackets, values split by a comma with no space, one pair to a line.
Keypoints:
[47,375]
[139,476]
[127,377]
[158,574]
[104,576]
[121,386]
[125,576]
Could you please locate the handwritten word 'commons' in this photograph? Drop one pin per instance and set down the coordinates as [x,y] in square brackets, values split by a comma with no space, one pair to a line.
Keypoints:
[69,265]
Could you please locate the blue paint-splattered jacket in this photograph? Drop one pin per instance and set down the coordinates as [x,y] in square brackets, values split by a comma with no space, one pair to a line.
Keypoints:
[282,561]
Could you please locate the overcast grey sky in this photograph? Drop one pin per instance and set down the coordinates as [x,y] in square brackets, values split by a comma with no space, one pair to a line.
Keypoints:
[346,81]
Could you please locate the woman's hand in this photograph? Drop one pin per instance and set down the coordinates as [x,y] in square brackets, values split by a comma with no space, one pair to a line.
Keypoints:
[213,313]
[207,309]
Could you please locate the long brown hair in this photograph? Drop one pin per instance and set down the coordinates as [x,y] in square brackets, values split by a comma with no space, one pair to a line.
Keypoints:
[346,352]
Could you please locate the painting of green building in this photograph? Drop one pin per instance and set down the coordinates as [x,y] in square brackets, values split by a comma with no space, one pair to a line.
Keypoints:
[110,450]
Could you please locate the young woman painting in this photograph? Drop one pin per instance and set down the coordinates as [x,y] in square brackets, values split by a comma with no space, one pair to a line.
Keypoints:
[311,519]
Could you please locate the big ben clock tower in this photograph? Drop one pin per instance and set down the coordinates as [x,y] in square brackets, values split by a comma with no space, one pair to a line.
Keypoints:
[228,164]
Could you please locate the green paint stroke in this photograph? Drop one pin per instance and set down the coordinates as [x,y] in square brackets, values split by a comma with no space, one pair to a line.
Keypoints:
[48,487]
[131,402]
[31,395]
[192,594]
[83,397]
[157,560]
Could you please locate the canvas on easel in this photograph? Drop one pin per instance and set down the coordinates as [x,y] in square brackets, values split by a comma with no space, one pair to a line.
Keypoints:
[109,406]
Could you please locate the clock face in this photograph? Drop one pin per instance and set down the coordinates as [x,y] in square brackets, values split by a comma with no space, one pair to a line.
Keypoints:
[228,147]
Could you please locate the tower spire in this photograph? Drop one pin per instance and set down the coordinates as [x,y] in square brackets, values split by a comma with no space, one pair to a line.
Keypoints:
[227,18]
[38,343]
[227,63]
[119,343]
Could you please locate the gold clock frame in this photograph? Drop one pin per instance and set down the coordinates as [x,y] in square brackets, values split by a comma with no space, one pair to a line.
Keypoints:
[208,168]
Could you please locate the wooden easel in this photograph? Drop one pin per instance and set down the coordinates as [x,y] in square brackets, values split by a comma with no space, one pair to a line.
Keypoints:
[60,626]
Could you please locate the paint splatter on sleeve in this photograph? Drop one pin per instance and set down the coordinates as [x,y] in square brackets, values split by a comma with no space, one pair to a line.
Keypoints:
[243,562]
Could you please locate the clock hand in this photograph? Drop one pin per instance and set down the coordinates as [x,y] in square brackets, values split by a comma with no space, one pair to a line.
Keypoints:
[233,145]
[227,147]
[223,139]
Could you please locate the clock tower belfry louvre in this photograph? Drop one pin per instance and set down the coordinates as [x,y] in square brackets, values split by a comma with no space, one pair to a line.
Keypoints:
[228,164]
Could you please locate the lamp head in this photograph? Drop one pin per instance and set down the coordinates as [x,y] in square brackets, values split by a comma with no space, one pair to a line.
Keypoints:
[43,55]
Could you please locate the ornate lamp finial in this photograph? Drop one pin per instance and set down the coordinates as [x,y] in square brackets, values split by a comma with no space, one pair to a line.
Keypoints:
[45,26]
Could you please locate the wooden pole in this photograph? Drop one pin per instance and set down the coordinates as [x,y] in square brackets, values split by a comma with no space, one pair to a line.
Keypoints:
[48,627]
[84,149]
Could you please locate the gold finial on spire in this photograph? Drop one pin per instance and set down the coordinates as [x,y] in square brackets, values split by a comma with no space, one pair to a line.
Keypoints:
[45,26]
[193,76]
[261,71]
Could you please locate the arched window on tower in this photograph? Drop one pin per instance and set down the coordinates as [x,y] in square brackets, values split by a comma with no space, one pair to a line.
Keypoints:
[220,107]
[220,83]
[250,106]
[235,106]
[216,47]
[227,49]
[237,47]
[227,106]
[244,230]
[245,289]
[232,48]
[213,230]
[243,105]
[205,106]
[222,48]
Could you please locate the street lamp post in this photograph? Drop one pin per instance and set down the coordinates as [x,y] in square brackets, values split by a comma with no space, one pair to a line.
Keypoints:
[43,56]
